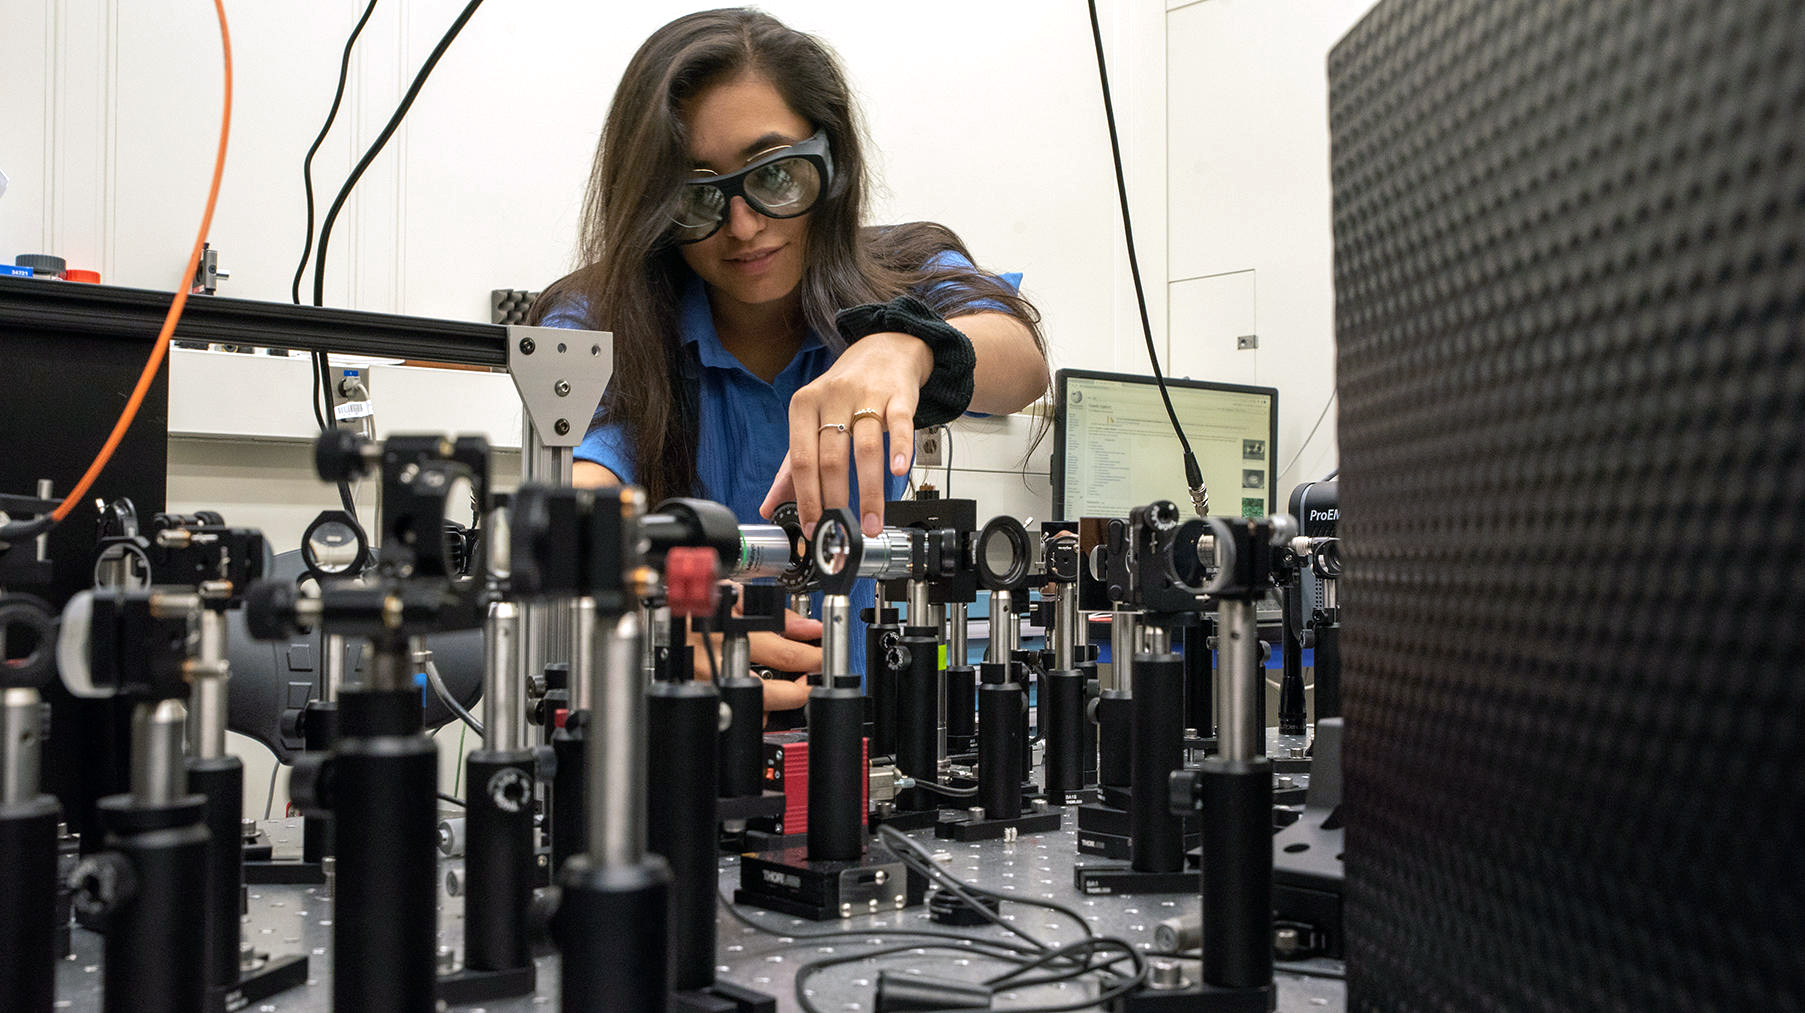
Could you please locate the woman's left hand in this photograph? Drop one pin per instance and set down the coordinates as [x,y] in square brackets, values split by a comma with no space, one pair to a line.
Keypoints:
[878,378]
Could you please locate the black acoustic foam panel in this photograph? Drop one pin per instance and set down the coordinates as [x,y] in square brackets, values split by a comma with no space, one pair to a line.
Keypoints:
[1571,324]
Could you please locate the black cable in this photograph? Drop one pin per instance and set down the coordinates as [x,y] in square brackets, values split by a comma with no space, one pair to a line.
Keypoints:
[388,130]
[946,433]
[338,95]
[947,790]
[1193,474]
[1330,477]
[453,799]
[19,531]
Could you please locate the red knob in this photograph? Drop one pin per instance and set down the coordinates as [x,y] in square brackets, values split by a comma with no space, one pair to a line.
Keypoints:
[691,585]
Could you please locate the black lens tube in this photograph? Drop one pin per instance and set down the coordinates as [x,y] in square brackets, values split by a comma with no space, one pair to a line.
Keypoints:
[836,772]
[1115,738]
[961,708]
[918,714]
[498,859]
[28,900]
[150,883]
[1000,772]
[683,734]
[1156,751]
[742,742]
[385,801]
[1063,693]
[220,780]
[1237,871]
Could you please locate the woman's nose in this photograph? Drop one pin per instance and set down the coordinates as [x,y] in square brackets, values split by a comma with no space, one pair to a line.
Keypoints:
[742,221]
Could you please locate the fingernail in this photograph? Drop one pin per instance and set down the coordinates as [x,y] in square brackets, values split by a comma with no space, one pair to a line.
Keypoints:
[873,526]
[897,463]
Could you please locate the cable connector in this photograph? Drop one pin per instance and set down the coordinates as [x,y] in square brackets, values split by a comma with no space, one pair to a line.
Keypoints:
[899,993]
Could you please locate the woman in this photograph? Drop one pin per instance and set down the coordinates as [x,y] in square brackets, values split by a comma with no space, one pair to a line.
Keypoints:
[723,233]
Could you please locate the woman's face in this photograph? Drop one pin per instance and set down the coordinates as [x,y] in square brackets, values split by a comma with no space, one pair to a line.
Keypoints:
[751,259]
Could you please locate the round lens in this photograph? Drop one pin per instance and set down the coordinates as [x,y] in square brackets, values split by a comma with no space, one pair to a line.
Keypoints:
[333,546]
[699,206]
[785,188]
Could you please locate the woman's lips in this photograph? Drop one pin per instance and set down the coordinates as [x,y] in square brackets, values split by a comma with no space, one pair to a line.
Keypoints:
[754,263]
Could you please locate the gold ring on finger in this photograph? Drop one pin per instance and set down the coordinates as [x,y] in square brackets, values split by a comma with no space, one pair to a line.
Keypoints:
[867,413]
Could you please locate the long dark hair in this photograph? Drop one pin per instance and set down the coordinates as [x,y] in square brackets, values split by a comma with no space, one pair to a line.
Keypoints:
[634,274]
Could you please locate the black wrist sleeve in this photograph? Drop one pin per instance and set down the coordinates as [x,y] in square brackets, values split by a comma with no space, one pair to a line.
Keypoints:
[947,392]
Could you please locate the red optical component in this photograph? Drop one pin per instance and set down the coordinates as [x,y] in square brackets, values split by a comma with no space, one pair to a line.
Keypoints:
[691,585]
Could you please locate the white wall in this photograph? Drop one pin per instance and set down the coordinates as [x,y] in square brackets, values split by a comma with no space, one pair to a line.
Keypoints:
[1249,246]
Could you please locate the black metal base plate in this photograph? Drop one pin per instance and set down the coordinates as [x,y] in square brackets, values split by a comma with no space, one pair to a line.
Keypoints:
[274,977]
[904,821]
[1196,999]
[1102,879]
[787,882]
[769,804]
[284,871]
[1083,796]
[959,826]
[465,987]
[724,997]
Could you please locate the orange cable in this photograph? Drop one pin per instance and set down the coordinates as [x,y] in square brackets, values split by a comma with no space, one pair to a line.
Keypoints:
[161,348]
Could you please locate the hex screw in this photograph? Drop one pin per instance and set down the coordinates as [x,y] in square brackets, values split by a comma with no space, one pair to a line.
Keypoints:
[527,345]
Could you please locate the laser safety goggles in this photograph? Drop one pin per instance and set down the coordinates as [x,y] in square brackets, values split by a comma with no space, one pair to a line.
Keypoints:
[782,183]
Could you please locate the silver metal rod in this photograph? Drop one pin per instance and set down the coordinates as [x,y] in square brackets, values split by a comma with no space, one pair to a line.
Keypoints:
[836,637]
[21,745]
[582,653]
[1065,626]
[799,604]
[655,632]
[43,546]
[1240,726]
[1331,598]
[736,656]
[1005,636]
[958,634]
[333,664]
[764,552]
[207,696]
[158,776]
[616,813]
[1156,639]
[388,668]
[1081,631]
[504,712]
[1125,642]
[920,610]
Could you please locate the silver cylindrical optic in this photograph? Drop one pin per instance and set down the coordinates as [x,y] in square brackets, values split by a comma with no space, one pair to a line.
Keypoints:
[158,776]
[1065,626]
[582,653]
[616,814]
[736,656]
[836,637]
[887,555]
[1005,636]
[1240,727]
[207,694]
[21,746]
[504,712]
[764,552]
